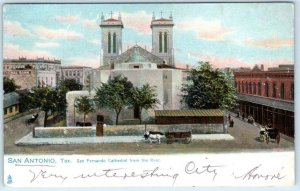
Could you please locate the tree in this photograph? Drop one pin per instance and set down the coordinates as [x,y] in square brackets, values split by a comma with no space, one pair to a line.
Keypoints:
[115,94]
[70,85]
[207,88]
[84,105]
[9,85]
[46,99]
[144,98]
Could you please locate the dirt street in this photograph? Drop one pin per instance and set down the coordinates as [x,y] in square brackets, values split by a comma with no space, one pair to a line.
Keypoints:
[244,133]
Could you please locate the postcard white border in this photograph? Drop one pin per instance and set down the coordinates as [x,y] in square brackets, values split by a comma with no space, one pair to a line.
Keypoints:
[297,119]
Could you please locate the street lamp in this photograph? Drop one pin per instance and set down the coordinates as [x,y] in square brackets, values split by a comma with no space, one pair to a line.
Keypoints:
[75,99]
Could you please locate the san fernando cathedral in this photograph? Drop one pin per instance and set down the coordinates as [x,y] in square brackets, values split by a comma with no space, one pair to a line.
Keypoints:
[137,64]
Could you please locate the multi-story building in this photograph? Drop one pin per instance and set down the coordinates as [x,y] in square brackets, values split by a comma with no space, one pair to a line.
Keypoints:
[80,74]
[29,73]
[268,96]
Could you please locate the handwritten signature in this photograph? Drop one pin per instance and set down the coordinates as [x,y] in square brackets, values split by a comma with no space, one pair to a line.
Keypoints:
[253,174]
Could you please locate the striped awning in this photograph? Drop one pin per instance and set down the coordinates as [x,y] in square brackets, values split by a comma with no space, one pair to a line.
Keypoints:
[190,113]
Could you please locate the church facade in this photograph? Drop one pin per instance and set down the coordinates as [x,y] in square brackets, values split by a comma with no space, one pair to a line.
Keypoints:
[139,65]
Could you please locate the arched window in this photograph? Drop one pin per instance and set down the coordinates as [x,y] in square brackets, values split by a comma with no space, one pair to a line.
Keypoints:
[254,88]
[160,42]
[246,87]
[114,43]
[266,89]
[165,42]
[250,88]
[292,91]
[259,88]
[243,88]
[282,91]
[109,43]
[274,90]
[239,87]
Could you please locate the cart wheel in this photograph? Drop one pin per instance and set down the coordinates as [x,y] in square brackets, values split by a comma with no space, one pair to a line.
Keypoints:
[278,138]
[187,140]
[267,139]
[168,141]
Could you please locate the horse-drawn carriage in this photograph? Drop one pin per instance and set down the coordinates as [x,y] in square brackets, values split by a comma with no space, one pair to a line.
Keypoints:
[32,119]
[155,136]
[267,133]
[184,136]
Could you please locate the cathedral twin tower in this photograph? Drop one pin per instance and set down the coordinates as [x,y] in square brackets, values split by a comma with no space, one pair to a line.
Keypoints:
[162,39]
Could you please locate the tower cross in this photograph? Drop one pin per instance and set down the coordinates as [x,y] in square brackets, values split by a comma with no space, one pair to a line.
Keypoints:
[161,14]
[111,13]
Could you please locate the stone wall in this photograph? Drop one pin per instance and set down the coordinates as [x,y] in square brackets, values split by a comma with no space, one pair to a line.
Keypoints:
[123,130]
[61,132]
[140,129]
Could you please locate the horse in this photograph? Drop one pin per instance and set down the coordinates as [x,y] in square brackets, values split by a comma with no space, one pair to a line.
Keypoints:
[153,136]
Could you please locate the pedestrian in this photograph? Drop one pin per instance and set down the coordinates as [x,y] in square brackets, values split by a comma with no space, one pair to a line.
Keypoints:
[243,116]
[231,123]
[229,117]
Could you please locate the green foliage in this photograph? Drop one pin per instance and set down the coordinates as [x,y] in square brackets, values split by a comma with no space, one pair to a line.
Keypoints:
[70,85]
[144,98]
[9,85]
[115,94]
[84,105]
[46,99]
[207,88]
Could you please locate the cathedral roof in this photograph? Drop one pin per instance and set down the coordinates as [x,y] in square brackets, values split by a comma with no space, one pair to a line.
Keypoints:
[137,54]
[136,57]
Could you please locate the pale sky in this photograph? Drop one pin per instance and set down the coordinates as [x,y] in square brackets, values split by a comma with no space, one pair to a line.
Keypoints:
[225,34]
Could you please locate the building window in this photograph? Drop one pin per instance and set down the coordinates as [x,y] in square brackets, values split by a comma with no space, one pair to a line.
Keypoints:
[259,88]
[239,87]
[274,90]
[165,42]
[10,109]
[5,111]
[109,43]
[114,43]
[160,42]
[292,91]
[250,88]
[254,88]
[282,91]
[246,87]
[266,89]
[66,73]
[243,88]
[135,66]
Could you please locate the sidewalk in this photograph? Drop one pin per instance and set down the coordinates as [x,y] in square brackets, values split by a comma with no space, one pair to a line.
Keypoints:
[29,140]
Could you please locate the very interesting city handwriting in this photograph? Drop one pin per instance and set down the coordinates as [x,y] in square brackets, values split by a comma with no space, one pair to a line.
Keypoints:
[106,173]
[191,168]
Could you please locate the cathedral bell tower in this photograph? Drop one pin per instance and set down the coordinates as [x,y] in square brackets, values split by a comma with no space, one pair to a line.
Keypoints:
[111,30]
[162,38]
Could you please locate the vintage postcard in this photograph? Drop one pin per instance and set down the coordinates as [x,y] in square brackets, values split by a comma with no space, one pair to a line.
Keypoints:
[148,95]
